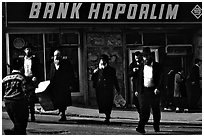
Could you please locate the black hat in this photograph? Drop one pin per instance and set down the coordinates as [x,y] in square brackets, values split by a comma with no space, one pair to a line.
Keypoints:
[27,46]
[137,53]
[104,57]
[146,51]
[197,60]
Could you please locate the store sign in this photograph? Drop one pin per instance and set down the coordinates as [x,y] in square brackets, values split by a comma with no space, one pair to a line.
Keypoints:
[178,49]
[110,12]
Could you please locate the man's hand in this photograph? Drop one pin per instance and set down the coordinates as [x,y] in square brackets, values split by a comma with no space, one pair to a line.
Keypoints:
[34,79]
[156,91]
[136,93]
[71,88]
[95,70]
[135,69]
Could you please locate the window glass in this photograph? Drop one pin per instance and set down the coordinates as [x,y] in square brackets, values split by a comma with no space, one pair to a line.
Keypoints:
[68,52]
[178,39]
[154,39]
[18,41]
[134,38]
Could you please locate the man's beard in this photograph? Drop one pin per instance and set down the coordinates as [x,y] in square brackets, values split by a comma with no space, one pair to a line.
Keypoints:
[56,61]
[148,62]
[28,54]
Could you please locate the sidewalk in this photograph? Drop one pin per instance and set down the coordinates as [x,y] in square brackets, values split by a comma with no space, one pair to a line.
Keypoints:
[127,115]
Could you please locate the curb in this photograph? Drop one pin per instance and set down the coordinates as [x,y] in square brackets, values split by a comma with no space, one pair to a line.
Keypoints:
[124,119]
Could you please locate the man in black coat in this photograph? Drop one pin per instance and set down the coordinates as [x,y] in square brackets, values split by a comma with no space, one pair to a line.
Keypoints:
[133,72]
[61,83]
[148,89]
[195,78]
[104,80]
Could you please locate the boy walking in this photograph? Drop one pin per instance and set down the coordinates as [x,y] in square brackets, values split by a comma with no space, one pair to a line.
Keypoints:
[13,88]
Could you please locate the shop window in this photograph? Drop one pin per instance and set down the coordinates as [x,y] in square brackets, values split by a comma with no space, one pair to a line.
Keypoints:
[152,39]
[178,39]
[70,39]
[68,52]
[134,38]
[18,41]
[179,49]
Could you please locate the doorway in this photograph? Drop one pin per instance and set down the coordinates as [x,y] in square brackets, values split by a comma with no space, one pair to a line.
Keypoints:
[131,52]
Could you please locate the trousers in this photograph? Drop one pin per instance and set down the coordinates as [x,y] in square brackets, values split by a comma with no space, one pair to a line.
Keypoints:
[149,101]
[18,113]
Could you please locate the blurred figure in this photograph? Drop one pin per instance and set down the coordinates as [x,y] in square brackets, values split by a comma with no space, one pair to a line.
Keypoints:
[30,70]
[179,91]
[148,91]
[169,99]
[14,94]
[196,91]
[61,83]
[104,80]
[133,72]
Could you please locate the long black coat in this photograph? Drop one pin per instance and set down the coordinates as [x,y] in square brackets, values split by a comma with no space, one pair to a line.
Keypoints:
[60,82]
[195,75]
[104,82]
[133,74]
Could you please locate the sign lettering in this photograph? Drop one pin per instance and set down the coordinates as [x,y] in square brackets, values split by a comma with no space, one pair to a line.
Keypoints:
[104,12]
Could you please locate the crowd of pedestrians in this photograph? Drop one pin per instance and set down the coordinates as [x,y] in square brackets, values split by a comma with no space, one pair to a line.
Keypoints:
[19,86]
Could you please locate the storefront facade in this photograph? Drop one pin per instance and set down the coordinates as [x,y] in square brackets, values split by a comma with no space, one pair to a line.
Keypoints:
[84,35]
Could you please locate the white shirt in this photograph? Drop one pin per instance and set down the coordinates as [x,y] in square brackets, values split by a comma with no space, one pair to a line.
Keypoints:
[148,76]
[27,67]
[57,66]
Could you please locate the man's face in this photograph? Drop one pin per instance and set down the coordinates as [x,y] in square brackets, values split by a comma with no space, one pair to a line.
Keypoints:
[136,58]
[27,51]
[147,59]
[102,64]
[57,56]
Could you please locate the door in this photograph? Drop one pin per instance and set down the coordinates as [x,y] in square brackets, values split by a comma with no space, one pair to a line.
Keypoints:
[131,52]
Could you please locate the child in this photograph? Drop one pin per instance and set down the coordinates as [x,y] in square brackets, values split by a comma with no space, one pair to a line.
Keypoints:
[13,87]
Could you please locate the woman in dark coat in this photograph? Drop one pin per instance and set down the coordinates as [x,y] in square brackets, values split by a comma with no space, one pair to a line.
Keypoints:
[104,80]
[61,83]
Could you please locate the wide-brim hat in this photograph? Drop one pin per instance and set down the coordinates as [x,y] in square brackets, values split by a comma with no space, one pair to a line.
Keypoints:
[105,57]
[197,60]
[137,53]
[146,51]
[28,46]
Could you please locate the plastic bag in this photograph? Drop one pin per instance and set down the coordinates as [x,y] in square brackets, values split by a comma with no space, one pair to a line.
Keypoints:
[119,101]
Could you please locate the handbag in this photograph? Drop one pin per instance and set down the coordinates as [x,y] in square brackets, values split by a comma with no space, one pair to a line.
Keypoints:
[119,101]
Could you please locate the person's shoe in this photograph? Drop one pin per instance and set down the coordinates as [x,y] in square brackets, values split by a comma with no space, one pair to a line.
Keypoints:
[32,118]
[63,118]
[8,132]
[186,110]
[177,110]
[156,129]
[142,131]
[165,109]
[107,121]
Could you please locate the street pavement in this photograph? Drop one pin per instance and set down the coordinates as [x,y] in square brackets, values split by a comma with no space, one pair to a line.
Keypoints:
[87,121]
[124,114]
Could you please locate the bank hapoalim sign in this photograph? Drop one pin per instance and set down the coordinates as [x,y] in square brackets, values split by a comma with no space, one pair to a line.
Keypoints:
[83,12]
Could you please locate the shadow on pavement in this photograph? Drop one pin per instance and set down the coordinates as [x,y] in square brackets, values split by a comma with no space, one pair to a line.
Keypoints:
[81,121]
